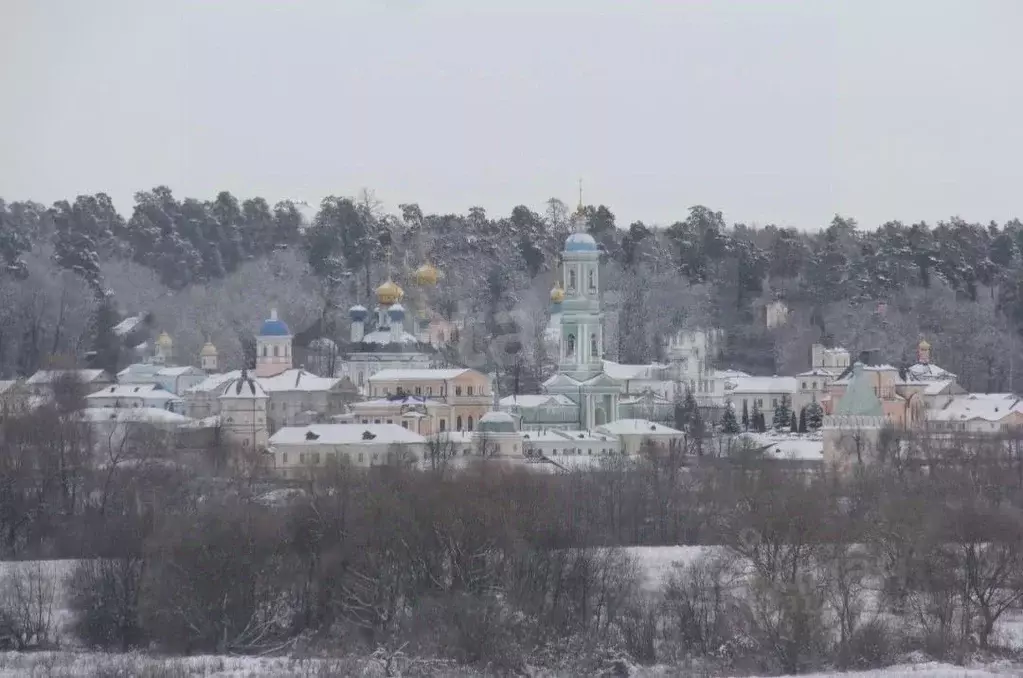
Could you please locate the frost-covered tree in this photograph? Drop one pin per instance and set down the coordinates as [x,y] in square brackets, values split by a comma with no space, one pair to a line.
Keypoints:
[729,422]
[814,416]
[782,415]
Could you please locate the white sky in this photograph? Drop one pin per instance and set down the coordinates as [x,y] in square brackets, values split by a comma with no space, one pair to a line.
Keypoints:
[773,112]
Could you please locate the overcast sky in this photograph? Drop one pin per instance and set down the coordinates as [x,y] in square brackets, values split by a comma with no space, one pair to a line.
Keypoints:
[772,112]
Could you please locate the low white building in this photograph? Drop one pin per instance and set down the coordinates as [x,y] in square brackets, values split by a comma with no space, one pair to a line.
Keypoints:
[42,382]
[977,413]
[633,434]
[134,396]
[559,445]
[765,393]
[297,449]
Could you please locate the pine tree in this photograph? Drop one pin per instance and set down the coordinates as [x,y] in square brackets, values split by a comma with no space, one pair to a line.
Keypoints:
[814,416]
[729,423]
[795,423]
[802,420]
[782,416]
[106,345]
[758,419]
[745,416]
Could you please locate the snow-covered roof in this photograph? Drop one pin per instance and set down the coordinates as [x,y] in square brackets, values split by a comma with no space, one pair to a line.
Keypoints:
[645,398]
[147,391]
[636,427]
[560,436]
[820,372]
[428,374]
[765,384]
[937,386]
[383,337]
[49,376]
[985,406]
[623,372]
[214,382]
[929,372]
[127,325]
[533,400]
[396,402]
[7,384]
[177,371]
[297,379]
[785,446]
[848,372]
[345,434]
[497,417]
[243,387]
[152,415]
[456,437]
[727,374]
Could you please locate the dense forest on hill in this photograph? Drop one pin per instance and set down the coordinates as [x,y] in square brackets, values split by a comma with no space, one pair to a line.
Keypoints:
[212,268]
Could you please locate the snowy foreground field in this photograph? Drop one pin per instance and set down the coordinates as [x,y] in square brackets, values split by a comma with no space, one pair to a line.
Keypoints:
[73,665]
[656,563]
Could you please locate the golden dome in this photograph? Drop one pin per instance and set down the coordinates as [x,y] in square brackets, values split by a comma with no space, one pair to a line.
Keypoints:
[389,293]
[426,275]
[164,340]
[924,345]
[208,349]
[557,294]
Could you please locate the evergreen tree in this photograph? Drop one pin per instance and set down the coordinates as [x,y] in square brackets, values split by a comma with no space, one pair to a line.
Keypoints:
[814,416]
[745,416]
[106,345]
[782,416]
[729,423]
[802,420]
[795,423]
[758,419]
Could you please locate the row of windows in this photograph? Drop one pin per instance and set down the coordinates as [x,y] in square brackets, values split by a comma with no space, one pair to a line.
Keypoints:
[571,451]
[418,390]
[442,423]
[813,385]
[276,352]
[570,348]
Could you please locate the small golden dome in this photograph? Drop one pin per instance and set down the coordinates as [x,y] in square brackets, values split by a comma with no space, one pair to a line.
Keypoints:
[208,349]
[923,345]
[164,340]
[557,294]
[389,293]
[426,275]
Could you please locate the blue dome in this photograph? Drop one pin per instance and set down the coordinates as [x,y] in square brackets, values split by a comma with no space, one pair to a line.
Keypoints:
[580,242]
[272,327]
[358,313]
[396,312]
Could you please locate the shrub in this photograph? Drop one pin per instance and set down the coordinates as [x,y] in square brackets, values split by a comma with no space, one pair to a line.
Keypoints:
[105,600]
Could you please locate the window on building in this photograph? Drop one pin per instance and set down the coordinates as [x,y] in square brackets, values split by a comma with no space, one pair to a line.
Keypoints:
[443,425]
[458,390]
[571,280]
[284,457]
[301,457]
[264,350]
[759,402]
[419,390]
[404,424]
[815,385]
[774,402]
[458,423]
[360,457]
[376,421]
[429,390]
[570,346]
[365,421]
[276,349]
[594,352]
[470,423]
[468,390]
[361,380]
[316,457]
[554,452]
[804,385]
[593,284]
[390,421]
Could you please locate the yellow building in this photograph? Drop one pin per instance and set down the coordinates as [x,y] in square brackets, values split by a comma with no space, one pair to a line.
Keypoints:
[440,399]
